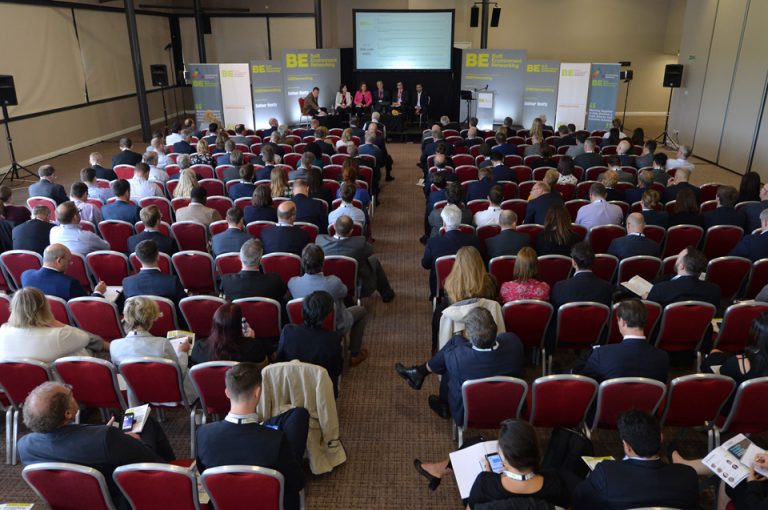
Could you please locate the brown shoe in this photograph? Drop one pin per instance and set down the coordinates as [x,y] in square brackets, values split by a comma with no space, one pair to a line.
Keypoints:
[356,360]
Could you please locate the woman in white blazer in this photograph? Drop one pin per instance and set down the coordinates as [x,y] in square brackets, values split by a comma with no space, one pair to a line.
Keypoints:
[343,100]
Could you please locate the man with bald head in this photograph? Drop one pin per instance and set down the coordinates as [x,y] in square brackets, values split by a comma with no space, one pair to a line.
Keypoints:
[625,153]
[49,412]
[70,233]
[285,237]
[589,157]
[634,243]
[51,278]
[507,242]
[680,182]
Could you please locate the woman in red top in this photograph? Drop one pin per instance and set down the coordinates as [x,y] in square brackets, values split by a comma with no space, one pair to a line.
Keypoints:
[363,99]
[525,285]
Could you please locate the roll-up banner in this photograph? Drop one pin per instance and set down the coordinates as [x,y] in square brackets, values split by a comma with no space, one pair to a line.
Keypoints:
[573,90]
[500,71]
[305,69]
[206,93]
[541,78]
[268,92]
[236,95]
[603,93]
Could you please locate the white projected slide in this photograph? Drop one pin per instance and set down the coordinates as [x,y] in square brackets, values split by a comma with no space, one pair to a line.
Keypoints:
[403,40]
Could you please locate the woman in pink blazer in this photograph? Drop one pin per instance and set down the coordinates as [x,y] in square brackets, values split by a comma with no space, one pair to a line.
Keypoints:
[363,99]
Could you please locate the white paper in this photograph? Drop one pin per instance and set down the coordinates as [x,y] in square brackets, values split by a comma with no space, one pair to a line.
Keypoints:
[728,461]
[112,292]
[140,417]
[639,286]
[469,462]
[17,506]
[177,336]
[592,462]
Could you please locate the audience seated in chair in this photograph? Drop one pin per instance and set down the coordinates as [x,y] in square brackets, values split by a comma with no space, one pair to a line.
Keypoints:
[634,243]
[34,235]
[245,187]
[599,211]
[650,203]
[583,285]
[70,233]
[95,159]
[233,238]
[525,285]
[197,210]
[347,193]
[491,215]
[51,278]
[151,218]
[542,199]
[126,156]
[156,173]
[121,209]
[250,281]
[506,242]
[680,182]
[47,187]
[754,246]
[501,172]
[725,213]
[308,209]
[557,238]
[453,194]
[285,237]
[78,193]
[686,285]
[141,186]
[261,207]
[150,281]
[231,340]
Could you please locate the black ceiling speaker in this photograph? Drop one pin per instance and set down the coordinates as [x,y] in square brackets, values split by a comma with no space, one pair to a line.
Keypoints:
[474,16]
[495,15]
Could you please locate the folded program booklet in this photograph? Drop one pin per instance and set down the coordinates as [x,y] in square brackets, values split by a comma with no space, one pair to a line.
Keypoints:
[639,286]
[733,460]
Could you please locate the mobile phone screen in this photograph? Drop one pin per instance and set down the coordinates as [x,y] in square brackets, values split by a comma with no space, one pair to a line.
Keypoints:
[494,460]
[128,420]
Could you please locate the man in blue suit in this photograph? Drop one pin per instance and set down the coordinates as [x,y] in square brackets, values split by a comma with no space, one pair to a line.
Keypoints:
[150,281]
[507,149]
[725,213]
[308,209]
[479,190]
[46,187]
[541,200]
[583,285]
[232,239]
[476,354]
[501,172]
[633,357]
[285,237]
[754,246]
[121,209]
[151,218]
[686,285]
[35,234]
[51,278]
[641,479]
[183,146]
[370,148]
[634,243]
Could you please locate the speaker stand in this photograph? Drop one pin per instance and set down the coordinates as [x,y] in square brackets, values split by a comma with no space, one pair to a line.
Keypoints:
[13,171]
[165,112]
[626,99]
[469,111]
[664,137]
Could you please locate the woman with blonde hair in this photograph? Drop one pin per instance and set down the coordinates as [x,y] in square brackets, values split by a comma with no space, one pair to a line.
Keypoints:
[202,156]
[345,140]
[537,129]
[221,140]
[279,183]
[469,278]
[187,182]
[32,331]
[524,284]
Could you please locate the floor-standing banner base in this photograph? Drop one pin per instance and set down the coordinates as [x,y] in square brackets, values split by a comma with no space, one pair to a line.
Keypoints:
[236,95]
[541,78]
[573,90]
[500,70]
[306,69]
[206,93]
[603,93]
[268,92]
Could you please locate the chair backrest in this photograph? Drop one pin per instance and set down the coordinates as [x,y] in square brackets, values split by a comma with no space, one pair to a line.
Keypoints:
[748,411]
[96,315]
[108,266]
[66,486]
[163,262]
[150,485]
[639,265]
[220,203]
[721,239]
[693,400]
[253,487]
[681,236]
[157,380]
[443,267]
[604,266]
[5,309]
[18,261]
[195,270]
[163,204]
[263,316]
[683,325]
[600,237]
[190,235]
[78,270]
[758,278]
[33,202]
[294,307]
[217,227]
[528,319]
[116,233]
[655,233]
[580,324]
[255,228]
[554,268]
[561,400]
[728,273]
[93,380]
[228,263]
[20,376]
[573,206]
[345,269]
[208,380]
[204,171]
[653,312]
[490,401]
[737,322]
[519,205]
[286,265]
[502,268]
[198,313]
[532,229]
[618,395]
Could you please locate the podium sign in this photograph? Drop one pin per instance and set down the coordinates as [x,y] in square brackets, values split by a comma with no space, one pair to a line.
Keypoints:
[485,107]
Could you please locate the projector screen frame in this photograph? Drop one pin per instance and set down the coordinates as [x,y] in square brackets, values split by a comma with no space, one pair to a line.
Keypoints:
[388,11]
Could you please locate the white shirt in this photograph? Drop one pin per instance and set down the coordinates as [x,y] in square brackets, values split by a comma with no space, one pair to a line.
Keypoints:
[488,217]
[357,215]
[102,194]
[172,138]
[679,163]
[141,188]
[42,344]
[88,212]
[77,240]
[158,174]
[418,99]
[598,213]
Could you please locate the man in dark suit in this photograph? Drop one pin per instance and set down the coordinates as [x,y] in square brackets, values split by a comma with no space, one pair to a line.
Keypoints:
[47,187]
[183,146]
[285,237]
[633,357]
[500,171]
[370,273]
[250,281]
[268,162]
[480,189]
[507,149]
[646,158]
[213,131]
[686,285]
[507,242]
[475,354]
[232,239]
[431,147]
[754,246]
[625,154]
[311,342]
[400,99]
[51,278]
[583,285]
[566,137]
[381,98]
[447,244]
[151,218]
[644,183]
[96,160]
[35,234]
[421,101]
[752,211]
[541,200]
[273,125]
[239,439]
[634,243]
[641,479]
[50,411]
[680,182]
[121,209]
[150,280]
[589,157]
[226,159]
[725,213]
[126,156]
[308,209]
[354,125]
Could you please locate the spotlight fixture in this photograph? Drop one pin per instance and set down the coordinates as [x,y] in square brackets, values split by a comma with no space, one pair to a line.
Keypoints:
[474,16]
[495,14]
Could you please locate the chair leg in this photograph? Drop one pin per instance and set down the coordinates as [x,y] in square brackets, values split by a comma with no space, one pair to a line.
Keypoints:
[8,435]
[461,436]
[15,436]
[192,420]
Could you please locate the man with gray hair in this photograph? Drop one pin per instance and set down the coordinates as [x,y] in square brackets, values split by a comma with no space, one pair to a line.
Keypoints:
[95,159]
[681,159]
[680,182]
[589,157]
[250,281]
[70,234]
[35,234]
[47,187]
[52,278]
[634,243]
[446,244]
[183,146]
[754,246]
[155,173]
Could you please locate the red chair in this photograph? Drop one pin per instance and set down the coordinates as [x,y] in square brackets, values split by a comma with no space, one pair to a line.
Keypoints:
[566,190]
[18,261]
[639,265]
[220,203]
[33,202]
[162,203]
[204,171]
[490,401]
[179,202]
[478,205]
[235,487]
[220,169]
[747,413]
[621,394]
[463,159]
[554,268]
[208,380]
[116,233]
[94,382]
[560,400]
[286,265]
[680,237]
[463,228]
[721,239]
[518,205]
[345,269]
[693,400]
[255,228]
[149,485]
[709,205]
[728,273]
[309,228]
[737,322]
[228,263]
[525,188]
[443,267]
[579,326]
[653,312]
[168,320]
[108,266]
[758,278]
[522,174]
[198,313]
[683,326]
[573,206]
[5,310]
[510,189]
[594,172]
[213,187]
[163,262]
[655,233]
[292,158]
[217,227]
[604,266]
[600,237]
[18,377]
[466,172]
[529,320]
[66,486]
[263,316]
[708,191]
[622,205]
[582,189]
[487,231]
[195,270]
[502,268]
[96,315]
[295,310]
[124,171]
[190,235]
[78,270]
[162,227]
[532,229]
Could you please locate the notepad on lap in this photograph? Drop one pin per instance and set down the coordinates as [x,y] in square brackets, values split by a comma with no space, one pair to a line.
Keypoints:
[469,462]
[639,286]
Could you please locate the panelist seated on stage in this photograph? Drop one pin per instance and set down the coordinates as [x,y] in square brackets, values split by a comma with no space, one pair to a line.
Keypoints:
[363,99]
[311,106]
[421,102]
[343,103]
[381,98]
[400,98]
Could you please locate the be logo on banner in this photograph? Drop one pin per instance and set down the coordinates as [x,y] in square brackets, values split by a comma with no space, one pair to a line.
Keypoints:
[297,60]
[477,60]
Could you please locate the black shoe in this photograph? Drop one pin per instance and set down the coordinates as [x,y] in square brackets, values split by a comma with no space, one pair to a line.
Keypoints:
[412,375]
[389,178]
[423,239]
[434,482]
[672,447]
[388,296]
[439,407]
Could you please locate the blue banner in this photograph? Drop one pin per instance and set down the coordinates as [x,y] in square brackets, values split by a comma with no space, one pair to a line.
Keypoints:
[603,93]
[206,93]
[541,80]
